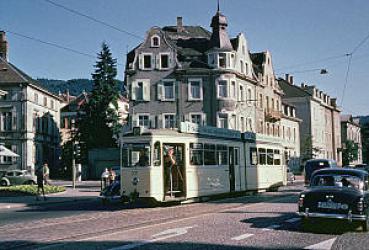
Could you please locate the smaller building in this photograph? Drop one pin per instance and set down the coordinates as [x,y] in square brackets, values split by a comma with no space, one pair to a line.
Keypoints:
[351,141]
[290,126]
[29,117]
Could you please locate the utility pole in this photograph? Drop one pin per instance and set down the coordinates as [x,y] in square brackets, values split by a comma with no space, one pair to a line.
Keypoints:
[73,156]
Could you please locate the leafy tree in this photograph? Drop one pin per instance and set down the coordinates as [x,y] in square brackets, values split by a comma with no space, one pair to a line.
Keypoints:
[99,123]
[349,152]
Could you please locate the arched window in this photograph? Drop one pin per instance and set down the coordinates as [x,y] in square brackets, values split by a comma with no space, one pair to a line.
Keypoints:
[155,41]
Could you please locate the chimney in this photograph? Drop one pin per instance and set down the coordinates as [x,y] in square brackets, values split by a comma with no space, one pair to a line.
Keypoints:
[3,46]
[289,79]
[180,24]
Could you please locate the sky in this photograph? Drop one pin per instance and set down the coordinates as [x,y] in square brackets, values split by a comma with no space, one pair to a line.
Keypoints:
[303,36]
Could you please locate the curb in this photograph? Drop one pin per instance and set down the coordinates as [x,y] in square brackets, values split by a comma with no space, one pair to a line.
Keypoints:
[42,203]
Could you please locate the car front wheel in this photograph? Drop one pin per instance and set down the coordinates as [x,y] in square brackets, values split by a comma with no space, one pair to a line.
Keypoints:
[3,183]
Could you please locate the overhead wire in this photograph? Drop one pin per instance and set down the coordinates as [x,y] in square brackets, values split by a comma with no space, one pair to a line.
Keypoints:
[349,65]
[54,45]
[91,18]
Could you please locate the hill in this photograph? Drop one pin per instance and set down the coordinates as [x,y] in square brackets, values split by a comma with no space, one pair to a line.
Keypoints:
[75,86]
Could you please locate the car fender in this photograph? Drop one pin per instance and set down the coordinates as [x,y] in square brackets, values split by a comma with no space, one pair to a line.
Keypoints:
[5,179]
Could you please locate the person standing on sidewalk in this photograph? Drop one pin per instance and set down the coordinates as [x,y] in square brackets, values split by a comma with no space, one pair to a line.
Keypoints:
[46,172]
[40,182]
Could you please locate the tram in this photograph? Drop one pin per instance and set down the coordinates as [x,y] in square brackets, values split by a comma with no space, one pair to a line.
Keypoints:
[207,162]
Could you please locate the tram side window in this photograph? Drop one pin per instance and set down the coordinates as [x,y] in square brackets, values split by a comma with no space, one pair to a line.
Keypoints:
[157,154]
[209,154]
[270,156]
[136,155]
[277,157]
[222,155]
[262,156]
[236,156]
[196,153]
[253,156]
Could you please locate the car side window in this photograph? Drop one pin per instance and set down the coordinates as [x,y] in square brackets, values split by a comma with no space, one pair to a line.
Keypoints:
[18,173]
[10,174]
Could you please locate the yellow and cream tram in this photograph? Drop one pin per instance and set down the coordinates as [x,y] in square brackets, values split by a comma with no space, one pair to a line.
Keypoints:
[208,161]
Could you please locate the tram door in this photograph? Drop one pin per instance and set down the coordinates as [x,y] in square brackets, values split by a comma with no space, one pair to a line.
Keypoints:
[174,171]
[232,179]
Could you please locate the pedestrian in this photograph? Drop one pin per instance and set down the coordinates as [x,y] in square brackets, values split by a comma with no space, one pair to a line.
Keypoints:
[111,176]
[104,178]
[40,182]
[46,172]
[169,162]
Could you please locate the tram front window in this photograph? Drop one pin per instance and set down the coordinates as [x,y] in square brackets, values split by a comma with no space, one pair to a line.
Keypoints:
[136,155]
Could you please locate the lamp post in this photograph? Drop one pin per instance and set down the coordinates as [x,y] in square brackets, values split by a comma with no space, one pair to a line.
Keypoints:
[73,158]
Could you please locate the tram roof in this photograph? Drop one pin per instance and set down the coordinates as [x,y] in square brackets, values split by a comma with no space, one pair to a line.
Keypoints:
[176,133]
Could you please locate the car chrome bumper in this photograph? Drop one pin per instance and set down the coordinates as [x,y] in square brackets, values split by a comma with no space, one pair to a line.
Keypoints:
[349,216]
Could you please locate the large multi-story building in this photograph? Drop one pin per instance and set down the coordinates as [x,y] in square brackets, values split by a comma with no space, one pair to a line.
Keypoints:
[29,117]
[351,134]
[186,73]
[320,130]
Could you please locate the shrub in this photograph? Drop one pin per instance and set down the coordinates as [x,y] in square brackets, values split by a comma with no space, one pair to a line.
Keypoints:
[28,190]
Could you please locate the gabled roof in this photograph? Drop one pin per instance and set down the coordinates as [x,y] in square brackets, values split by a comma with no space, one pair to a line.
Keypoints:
[9,73]
[257,61]
[291,90]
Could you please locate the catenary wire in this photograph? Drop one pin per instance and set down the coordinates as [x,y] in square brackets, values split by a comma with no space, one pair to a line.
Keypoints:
[54,45]
[94,19]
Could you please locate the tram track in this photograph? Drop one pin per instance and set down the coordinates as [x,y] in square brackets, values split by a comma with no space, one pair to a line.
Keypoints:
[55,241]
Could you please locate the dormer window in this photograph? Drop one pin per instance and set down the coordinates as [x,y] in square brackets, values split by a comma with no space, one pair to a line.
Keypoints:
[155,41]
[222,60]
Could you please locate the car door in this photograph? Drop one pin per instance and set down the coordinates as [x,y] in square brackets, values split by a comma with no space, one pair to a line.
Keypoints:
[18,178]
[10,176]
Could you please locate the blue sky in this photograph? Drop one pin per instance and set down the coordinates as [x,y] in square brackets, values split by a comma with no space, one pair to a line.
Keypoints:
[296,33]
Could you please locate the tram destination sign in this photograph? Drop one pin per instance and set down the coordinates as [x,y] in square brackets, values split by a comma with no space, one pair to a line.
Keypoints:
[193,128]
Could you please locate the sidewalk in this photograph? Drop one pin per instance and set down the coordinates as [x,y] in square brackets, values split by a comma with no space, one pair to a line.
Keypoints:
[86,190]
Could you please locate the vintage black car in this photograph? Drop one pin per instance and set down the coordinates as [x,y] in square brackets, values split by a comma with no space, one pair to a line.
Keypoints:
[336,193]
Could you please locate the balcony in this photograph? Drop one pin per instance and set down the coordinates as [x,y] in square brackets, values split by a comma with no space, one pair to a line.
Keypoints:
[273,115]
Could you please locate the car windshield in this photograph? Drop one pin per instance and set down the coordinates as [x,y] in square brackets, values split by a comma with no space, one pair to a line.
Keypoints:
[348,181]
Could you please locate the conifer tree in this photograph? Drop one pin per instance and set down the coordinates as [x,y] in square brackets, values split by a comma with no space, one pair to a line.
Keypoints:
[100,123]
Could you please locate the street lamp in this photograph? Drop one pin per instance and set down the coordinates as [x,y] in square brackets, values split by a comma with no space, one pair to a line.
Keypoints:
[73,152]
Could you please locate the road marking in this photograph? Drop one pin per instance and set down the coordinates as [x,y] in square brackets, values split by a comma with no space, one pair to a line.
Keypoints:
[242,237]
[324,245]
[170,233]
[292,220]
[248,205]
[274,226]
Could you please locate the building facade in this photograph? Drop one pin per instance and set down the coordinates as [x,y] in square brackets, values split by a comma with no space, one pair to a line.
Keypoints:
[320,130]
[29,118]
[351,134]
[189,74]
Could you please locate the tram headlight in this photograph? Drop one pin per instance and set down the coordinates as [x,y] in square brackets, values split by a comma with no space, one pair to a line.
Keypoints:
[135,181]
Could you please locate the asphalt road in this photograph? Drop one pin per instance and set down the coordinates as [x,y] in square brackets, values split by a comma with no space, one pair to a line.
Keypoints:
[266,221]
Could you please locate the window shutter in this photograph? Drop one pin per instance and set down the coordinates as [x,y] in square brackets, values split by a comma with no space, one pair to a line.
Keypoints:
[170,60]
[160,121]
[133,90]
[204,119]
[140,61]
[157,61]
[152,121]
[153,61]
[159,90]
[174,89]
[14,120]
[146,91]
